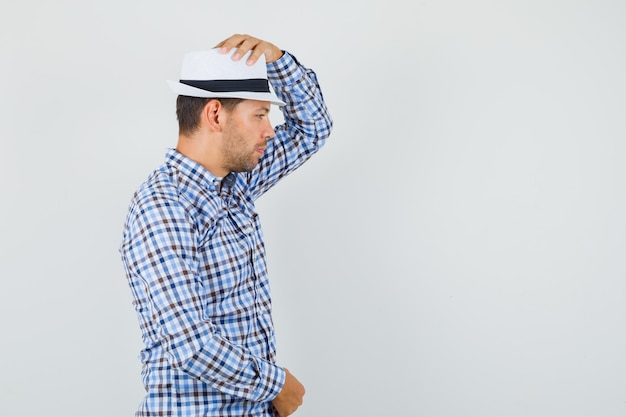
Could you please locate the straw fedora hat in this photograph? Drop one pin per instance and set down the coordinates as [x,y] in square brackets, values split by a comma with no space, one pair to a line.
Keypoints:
[211,74]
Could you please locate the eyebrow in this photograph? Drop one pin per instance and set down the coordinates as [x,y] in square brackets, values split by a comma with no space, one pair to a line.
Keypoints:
[263,108]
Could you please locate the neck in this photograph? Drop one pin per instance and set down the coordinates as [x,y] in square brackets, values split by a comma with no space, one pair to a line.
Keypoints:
[201,149]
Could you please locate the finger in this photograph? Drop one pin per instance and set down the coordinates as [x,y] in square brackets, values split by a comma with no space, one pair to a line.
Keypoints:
[247,44]
[271,52]
[229,43]
[259,50]
[244,44]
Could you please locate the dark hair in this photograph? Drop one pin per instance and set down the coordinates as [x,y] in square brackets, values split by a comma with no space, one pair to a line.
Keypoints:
[188,111]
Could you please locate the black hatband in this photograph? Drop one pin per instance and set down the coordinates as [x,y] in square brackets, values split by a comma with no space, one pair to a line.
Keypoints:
[255,85]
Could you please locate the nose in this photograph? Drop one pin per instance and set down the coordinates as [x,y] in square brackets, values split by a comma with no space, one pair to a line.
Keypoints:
[268,131]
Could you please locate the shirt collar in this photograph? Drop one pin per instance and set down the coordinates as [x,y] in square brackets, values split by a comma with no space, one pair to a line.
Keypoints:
[195,172]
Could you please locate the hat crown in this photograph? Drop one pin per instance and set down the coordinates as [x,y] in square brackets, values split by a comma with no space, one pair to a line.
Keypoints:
[211,73]
[214,65]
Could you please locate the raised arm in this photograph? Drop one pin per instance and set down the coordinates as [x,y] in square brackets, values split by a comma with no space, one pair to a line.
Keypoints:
[307,120]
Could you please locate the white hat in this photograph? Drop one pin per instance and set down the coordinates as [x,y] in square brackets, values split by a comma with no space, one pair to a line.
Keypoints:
[214,74]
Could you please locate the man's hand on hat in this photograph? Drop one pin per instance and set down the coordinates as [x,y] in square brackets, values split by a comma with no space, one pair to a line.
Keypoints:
[245,43]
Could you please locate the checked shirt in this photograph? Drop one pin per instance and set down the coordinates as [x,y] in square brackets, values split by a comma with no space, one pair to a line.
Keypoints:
[194,257]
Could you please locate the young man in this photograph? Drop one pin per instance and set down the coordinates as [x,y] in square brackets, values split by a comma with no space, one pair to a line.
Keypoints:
[192,246]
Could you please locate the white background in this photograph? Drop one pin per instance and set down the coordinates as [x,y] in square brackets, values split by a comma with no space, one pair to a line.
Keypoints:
[457,249]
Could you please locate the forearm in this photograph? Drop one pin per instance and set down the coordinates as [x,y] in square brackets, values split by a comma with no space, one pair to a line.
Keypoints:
[307,123]
[234,371]
[305,111]
[194,345]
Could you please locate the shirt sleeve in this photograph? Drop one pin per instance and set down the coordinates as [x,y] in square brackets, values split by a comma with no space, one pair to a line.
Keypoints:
[307,123]
[159,253]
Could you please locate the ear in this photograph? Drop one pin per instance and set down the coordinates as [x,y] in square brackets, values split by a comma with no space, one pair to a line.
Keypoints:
[214,115]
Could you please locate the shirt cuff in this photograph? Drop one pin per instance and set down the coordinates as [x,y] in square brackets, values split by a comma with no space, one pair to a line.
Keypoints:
[275,380]
[284,71]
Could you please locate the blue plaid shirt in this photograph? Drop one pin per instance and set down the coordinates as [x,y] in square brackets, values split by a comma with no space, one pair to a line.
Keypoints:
[195,262]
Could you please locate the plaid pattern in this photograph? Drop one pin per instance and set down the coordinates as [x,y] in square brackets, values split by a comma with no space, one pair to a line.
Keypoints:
[195,262]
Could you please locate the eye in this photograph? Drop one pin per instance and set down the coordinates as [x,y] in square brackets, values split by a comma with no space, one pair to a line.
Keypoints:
[260,116]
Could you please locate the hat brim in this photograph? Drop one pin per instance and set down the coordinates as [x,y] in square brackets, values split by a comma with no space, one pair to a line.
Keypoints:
[187,90]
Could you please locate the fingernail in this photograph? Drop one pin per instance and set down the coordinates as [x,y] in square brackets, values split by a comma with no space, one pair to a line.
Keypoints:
[236,56]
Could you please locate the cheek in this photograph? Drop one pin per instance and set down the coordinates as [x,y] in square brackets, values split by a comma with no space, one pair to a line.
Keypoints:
[254,129]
